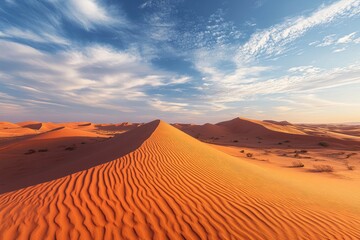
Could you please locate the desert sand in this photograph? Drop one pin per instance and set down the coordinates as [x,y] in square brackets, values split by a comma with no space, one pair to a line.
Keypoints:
[231,180]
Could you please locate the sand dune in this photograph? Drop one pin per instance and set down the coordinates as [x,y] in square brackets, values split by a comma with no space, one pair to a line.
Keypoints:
[155,182]
[207,130]
[120,127]
[269,134]
[250,126]
[63,132]
[8,125]
[40,126]
[8,129]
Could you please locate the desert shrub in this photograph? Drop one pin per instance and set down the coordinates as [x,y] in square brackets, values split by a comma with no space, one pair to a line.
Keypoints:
[249,155]
[300,151]
[83,142]
[350,167]
[242,151]
[71,148]
[43,150]
[323,168]
[350,154]
[297,164]
[30,151]
[236,141]
[323,144]
[286,141]
[280,143]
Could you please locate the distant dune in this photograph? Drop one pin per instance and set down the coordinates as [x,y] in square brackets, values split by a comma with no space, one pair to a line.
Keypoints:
[156,182]
[243,125]
[248,132]
[8,129]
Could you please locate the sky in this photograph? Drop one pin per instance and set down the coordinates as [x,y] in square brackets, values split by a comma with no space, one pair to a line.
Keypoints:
[180,60]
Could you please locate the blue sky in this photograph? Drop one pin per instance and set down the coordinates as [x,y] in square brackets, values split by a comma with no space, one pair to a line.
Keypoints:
[179,60]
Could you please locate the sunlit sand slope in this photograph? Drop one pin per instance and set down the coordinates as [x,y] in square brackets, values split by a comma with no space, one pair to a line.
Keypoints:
[173,187]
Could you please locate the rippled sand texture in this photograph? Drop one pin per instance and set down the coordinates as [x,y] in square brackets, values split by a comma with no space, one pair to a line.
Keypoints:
[172,187]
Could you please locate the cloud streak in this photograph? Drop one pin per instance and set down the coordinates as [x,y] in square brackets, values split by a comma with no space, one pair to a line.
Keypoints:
[96,76]
[271,41]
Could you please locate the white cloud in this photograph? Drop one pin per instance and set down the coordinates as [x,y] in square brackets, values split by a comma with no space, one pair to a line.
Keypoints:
[42,37]
[347,38]
[334,40]
[283,108]
[301,79]
[339,50]
[304,69]
[168,106]
[94,76]
[271,41]
[89,13]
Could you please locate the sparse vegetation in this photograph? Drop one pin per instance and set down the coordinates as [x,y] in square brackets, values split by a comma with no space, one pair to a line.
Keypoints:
[323,168]
[83,142]
[300,151]
[242,151]
[323,144]
[280,143]
[249,155]
[297,164]
[349,167]
[350,154]
[30,151]
[43,150]
[214,138]
[71,148]
[236,141]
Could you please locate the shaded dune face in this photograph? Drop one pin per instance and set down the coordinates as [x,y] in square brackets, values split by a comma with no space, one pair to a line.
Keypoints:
[34,169]
[246,132]
[171,186]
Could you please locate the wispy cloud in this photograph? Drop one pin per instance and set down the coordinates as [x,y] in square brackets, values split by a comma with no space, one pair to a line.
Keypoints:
[272,41]
[334,40]
[89,13]
[25,34]
[95,76]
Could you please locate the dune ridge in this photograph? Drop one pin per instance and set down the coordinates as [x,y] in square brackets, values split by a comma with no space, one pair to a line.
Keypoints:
[171,187]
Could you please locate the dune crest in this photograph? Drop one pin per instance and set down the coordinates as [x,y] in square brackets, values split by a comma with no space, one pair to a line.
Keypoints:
[244,125]
[170,187]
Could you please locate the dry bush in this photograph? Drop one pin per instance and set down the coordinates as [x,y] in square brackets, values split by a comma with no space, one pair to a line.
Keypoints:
[302,151]
[323,168]
[323,144]
[297,164]
[71,148]
[350,167]
[30,151]
[249,155]
[43,150]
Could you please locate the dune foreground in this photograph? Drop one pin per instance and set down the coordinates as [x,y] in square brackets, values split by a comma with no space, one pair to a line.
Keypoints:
[156,182]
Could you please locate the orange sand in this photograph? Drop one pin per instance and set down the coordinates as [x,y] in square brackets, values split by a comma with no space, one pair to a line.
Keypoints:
[156,182]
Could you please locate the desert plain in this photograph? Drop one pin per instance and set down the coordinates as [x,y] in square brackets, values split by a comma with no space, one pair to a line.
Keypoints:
[237,179]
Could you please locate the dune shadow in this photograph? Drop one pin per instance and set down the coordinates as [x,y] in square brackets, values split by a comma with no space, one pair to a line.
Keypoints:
[24,172]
